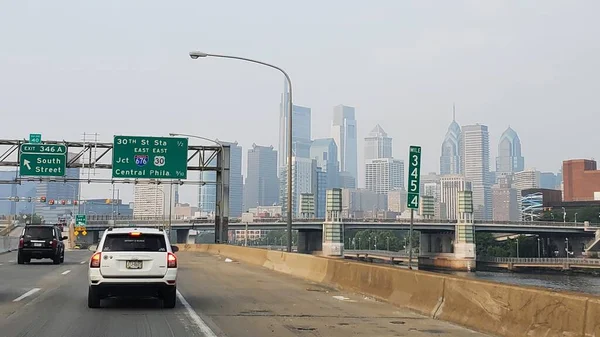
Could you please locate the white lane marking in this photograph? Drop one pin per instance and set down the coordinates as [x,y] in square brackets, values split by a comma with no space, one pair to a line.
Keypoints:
[11,261]
[29,293]
[204,329]
[342,298]
[82,262]
[66,272]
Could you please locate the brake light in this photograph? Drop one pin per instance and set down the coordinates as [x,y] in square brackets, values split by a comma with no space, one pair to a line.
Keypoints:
[171,260]
[21,243]
[95,261]
[135,234]
[54,243]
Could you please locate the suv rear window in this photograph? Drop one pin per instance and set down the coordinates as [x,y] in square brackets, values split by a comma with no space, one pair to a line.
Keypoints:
[140,243]
[39,233]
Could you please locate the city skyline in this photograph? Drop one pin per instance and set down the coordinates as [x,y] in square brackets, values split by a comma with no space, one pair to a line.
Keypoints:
[359,64]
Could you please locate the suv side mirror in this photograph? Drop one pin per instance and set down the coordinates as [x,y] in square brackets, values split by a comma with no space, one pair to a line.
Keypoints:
[175,249]
[64,238]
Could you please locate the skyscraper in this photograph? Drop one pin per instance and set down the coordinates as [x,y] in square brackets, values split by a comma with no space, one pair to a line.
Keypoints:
[262,186]
[384,175]
[304,180]
[475,159]
[343,131]
[378,144]
[325,152]
[509,158]
[208,193]
[450,162]
[301,131]
[450,185]
[153,200]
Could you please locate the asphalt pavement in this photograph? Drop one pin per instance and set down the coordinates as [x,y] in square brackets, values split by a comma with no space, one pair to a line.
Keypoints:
[216,298]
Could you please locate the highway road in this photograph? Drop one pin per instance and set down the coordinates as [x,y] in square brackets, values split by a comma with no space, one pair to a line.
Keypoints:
[217,298]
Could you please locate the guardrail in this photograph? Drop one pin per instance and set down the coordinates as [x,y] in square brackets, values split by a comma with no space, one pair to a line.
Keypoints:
[543,260]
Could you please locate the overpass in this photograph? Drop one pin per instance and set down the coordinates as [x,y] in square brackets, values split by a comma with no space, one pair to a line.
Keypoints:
[432,225]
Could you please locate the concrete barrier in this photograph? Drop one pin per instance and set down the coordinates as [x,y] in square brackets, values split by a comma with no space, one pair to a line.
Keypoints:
[490,307]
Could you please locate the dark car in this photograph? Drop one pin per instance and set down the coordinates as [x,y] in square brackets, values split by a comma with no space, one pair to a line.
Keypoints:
[41,242]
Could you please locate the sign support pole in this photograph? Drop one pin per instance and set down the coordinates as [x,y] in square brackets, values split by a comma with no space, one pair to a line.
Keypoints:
[410,235]
[413,195]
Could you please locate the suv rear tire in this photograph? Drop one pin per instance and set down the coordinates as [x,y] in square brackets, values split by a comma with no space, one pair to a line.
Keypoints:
[93,297]
[20,259]
[169,298]
[56,259]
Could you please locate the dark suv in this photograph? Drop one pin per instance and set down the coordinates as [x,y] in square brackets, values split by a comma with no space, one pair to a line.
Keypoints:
[41,242]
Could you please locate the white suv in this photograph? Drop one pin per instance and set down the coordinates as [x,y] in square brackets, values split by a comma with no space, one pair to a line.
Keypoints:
[133,261]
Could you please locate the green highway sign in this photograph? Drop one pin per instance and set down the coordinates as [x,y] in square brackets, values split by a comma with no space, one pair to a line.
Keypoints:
[43,160]
[414,176]
[35,138]
[80,220]
[149,157]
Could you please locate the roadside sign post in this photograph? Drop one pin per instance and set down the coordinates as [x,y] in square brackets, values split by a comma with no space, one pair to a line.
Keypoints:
[43,160]
[414,186]
[149,157]
[80,223]
[80,220]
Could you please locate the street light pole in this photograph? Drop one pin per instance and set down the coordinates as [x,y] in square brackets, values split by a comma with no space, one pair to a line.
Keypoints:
[195,55]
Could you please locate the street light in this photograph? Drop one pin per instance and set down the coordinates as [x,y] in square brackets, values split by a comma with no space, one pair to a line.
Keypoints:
[197,54]
[564,214]
[575,217]
[221,187]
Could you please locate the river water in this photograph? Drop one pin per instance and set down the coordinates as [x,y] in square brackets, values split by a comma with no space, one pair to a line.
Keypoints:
[575,282]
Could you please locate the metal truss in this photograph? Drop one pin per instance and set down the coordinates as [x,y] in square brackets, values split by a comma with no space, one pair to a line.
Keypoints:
[98,155]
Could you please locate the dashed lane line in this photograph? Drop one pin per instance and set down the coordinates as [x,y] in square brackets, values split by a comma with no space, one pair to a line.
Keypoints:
[27,294]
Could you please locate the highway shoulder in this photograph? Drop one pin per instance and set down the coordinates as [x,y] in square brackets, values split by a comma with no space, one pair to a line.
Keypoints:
[245,300]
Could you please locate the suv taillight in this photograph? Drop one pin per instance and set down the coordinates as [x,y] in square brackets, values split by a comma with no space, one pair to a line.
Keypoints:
[95,261]
[54,243]
[171,260]
[21,243]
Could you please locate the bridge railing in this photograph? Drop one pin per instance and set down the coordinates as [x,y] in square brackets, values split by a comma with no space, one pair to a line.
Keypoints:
[103,219]
[543,260]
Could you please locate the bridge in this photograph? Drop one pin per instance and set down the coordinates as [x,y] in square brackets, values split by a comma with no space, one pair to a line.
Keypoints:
[509,263]
[532,227]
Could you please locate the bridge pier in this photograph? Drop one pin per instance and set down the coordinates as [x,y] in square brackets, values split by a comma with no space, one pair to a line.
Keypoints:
[456,250]
[182,235]
[309,241]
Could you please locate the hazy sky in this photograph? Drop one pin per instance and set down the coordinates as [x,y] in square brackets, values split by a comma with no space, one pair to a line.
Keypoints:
[121,67]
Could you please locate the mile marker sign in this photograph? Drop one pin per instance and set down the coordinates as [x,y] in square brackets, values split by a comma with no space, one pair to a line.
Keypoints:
[414,177]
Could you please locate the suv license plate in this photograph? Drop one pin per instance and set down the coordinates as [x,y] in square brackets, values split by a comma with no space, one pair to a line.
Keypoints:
[37,244]
[133,264]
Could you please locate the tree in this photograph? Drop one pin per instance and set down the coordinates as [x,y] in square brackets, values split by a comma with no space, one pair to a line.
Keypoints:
[377,239]
[29,219]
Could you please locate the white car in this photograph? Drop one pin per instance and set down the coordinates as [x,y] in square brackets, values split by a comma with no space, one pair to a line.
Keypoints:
[133,262]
